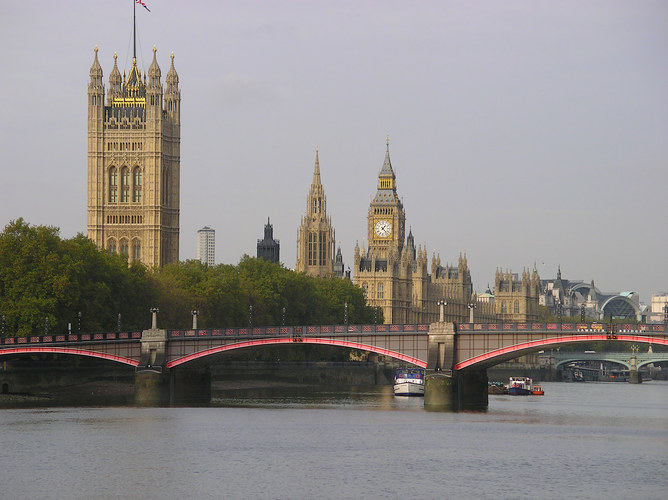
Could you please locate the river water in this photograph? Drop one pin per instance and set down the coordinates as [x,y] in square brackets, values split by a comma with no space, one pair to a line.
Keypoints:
[590,440]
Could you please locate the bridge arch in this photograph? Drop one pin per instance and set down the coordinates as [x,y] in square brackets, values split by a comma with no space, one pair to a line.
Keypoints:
[305,340]
[602,358]
[68,350]
[497,356]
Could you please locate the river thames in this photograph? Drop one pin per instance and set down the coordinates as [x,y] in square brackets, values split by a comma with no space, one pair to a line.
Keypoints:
[589,440]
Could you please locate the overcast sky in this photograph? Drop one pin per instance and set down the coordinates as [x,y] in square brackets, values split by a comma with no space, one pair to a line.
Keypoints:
[521,132]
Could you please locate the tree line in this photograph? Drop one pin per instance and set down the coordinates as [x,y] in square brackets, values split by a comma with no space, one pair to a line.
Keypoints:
[50,284]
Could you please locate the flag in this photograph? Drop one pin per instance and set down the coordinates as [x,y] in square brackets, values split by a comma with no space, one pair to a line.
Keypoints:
[143,5]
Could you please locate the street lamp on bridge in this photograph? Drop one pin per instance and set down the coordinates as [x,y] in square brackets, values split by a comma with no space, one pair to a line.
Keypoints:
[345,315]
[154,318]
[194,313]
[471,305]
[441,310]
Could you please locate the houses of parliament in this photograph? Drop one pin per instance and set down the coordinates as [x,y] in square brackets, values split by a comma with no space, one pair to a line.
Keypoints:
[134,134]
[394,273]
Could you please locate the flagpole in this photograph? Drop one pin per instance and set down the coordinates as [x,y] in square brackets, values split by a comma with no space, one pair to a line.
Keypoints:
[134,29]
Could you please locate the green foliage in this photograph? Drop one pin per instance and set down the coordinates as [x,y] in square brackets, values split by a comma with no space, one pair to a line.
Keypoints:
[43,276]
[224,295]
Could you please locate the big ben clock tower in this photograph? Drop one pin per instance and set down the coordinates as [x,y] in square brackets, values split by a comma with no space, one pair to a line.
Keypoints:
[382,269]
[386,219]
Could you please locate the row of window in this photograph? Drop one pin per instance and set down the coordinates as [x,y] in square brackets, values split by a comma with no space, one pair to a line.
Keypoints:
[317,206]
[380,290]
[516,307]
[123,247]
[125,219]
[385,184]
[383,211]
[125,186]
[125,146]
[317,253]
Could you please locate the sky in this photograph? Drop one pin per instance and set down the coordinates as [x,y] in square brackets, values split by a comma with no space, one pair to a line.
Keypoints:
[521,133]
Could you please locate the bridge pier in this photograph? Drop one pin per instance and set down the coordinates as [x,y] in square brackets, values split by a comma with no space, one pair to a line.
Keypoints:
[444,388]
[634,376]
[190,386]
[440,387]
[472,389]
[151,380]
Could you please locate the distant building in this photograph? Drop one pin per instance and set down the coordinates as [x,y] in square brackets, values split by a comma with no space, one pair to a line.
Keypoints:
[268,248]
[206,246]
[338,265]
[569,297]
[658,312]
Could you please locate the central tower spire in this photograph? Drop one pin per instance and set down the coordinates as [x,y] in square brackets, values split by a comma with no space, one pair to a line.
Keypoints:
[315,239]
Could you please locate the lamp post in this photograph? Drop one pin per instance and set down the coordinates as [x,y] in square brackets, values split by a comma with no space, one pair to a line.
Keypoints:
[194,313]
[582,313]
[46,325]
[375,317]
[471,306]
[154,318]
[250,316]
[79,321]
[2,328]
[441,310]
[559,311]
[118,323]
[283,317]
[345,315]
[665,314]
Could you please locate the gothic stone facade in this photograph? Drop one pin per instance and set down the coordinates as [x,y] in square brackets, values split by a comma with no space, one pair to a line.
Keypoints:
[393,272]
[134,163]
[515,298]
[315,238]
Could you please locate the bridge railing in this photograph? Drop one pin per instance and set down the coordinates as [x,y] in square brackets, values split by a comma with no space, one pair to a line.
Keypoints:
[288,331]
[70,338]
[565,327]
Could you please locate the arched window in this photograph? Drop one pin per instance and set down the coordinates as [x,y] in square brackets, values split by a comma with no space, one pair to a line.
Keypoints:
[125,185]
[111,245]
[504,309]
[113,185]
[136,182]
[136,251]
[380,291]
[124,250]
[365,289]
[516,307]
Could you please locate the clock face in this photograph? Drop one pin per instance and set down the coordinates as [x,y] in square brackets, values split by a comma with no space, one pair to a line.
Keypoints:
[383,228]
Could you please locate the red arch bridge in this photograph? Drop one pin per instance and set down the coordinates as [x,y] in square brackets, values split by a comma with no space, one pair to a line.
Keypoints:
[169,362]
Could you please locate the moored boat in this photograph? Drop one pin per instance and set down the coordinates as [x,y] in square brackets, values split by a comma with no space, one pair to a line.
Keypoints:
[537,390]
[519,386]
[409,382]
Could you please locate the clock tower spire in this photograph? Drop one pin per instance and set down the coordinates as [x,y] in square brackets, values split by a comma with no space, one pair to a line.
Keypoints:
[386,219]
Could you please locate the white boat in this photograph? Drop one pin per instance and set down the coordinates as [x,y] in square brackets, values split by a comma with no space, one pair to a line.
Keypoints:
[409,382]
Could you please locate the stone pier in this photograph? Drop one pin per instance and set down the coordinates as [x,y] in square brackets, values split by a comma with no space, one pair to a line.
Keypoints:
[151,380]
[445,388]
